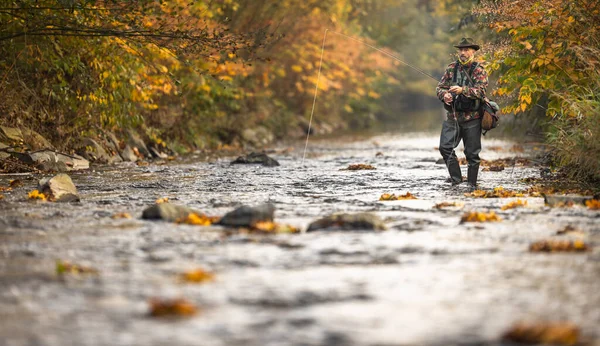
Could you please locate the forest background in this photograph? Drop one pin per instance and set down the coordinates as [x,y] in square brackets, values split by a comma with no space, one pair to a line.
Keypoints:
[198,74]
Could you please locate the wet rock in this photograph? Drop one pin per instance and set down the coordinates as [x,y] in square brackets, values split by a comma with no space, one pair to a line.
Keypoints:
[161,256]
[128,154]
[11,135]
[254,157]
[135,141]
[49,160]
[3,153]
[167,212]
[59,188]
[258,136]
[440,162]
[354,222]
[92,150]
[565,200]
[246,216]
[34,140]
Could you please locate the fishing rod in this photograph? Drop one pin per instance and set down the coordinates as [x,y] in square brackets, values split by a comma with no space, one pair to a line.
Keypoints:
[319,75]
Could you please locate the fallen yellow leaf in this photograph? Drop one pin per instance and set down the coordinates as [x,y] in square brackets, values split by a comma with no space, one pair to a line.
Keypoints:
[558,246]
[64,267]
[272,227]
[162,200]
[121,216]
[198,275]
[593,204]
[557,333]
[514,204]
[198,219]
[476,216]
[393,197]
[449,204]
[35,194]
[171,307]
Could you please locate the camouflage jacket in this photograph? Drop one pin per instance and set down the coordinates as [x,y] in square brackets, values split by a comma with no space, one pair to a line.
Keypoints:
[480,81]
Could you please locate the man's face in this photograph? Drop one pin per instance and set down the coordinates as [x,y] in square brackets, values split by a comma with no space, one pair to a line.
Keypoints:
[465,53]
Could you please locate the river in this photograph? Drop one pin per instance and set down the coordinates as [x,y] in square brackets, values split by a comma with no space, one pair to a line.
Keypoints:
[427,280]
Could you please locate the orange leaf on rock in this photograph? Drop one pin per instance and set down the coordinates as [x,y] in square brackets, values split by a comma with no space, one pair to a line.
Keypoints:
[272,227]
[171,307]
[162,200]
[198,219]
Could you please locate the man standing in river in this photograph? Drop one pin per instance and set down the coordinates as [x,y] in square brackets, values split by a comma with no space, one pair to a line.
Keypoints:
[462,90]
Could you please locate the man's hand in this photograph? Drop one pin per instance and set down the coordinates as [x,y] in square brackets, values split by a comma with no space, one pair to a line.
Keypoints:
[448,98]
[456,89]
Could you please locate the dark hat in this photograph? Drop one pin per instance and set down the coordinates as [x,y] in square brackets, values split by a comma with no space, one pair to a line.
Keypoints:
[467,42]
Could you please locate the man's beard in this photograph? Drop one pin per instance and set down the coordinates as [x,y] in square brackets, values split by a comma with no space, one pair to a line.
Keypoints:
[463,58]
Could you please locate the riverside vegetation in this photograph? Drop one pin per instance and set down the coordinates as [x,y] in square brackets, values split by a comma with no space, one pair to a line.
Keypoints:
[203,74]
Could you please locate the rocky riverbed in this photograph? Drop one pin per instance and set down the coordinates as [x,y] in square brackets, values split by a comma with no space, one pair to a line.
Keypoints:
[429,279]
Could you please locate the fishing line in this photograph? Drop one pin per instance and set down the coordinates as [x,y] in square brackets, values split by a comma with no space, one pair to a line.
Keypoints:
[319,76]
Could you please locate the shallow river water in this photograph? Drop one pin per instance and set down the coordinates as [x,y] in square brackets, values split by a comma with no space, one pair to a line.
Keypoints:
[427,280]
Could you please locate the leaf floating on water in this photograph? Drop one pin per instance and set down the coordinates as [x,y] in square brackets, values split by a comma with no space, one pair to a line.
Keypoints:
[393,197]
[64,267]
[2,188]
[15,183]
[449,204]
[359,167]
[593,204]
[35,194]
[570,230]
[197,276]
[476,216]
[494,168]
[498,192]
[162,200]
[198,219]
[171,307]
[121,216]
[515,204]
[558,333]
[558,246]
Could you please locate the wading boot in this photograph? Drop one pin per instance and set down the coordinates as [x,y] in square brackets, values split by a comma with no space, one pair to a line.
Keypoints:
[472,173]
[454,170]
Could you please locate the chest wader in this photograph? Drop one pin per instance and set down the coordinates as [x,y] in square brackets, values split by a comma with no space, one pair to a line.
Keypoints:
[469,132]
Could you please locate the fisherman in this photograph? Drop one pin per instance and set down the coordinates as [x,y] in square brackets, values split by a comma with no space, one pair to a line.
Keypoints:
[462,90]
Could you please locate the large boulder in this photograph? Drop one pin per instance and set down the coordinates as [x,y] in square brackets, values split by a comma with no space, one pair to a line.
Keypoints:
[3,152]
[92,151]
[167,212]
[246,216]
[253,158]
[34,140]
[11,135]
[349,222]
[59,188]
[134,140]
[258,136]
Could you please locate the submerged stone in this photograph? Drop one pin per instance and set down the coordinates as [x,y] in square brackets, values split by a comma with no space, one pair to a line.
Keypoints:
[59,188]
[246,216]
[167,212]
[350,222]
[254,157]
